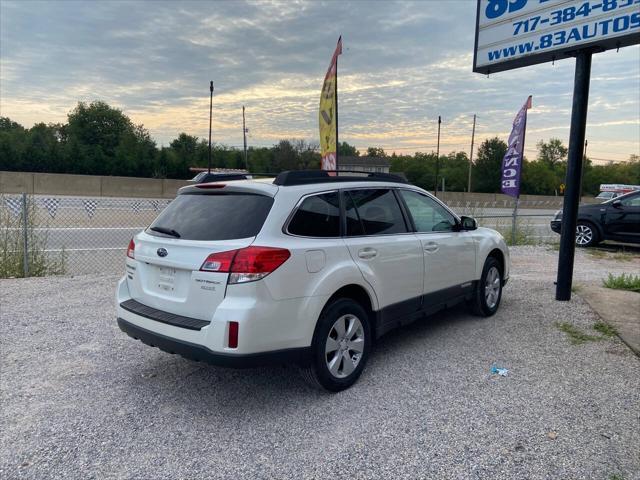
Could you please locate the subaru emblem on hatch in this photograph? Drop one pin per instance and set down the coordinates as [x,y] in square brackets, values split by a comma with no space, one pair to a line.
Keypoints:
[162,252]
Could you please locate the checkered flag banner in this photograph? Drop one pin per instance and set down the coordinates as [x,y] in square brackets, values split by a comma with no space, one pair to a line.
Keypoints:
[135,206]
[90,206]
[51,204]
[14,205]
[155,204]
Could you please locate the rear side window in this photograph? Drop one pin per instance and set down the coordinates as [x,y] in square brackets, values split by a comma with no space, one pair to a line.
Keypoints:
[213,216]
[317,216]
[379,211]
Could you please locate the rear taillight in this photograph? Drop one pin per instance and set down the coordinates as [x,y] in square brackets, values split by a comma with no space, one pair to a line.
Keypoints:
[219,262]
[131,249]
[247,264]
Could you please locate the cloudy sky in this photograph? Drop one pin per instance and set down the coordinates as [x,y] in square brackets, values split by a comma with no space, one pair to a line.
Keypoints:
[403,65]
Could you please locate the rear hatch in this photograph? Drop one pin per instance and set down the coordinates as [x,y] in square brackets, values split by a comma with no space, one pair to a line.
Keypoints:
[168,255]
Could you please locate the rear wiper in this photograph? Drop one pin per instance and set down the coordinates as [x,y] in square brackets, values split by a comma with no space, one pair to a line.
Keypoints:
[167,231]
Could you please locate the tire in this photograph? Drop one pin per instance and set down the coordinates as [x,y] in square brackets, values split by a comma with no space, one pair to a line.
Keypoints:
[488,292]
[336,363]
[586,235]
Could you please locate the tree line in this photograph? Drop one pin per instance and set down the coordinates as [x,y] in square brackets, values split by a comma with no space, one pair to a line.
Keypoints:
[101,140]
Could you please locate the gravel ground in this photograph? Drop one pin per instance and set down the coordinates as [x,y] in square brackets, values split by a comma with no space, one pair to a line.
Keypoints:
[82,400]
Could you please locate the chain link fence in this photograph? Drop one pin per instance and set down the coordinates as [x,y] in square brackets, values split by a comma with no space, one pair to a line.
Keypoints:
[69,235]
[47,235]
[528,223]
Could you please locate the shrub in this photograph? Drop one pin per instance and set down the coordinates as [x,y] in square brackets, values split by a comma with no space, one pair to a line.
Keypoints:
[623,282]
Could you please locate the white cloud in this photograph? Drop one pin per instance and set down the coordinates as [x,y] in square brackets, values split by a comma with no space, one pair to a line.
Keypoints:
[404,63]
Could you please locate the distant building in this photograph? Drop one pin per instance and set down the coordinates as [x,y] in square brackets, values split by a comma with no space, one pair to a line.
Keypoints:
[366,164]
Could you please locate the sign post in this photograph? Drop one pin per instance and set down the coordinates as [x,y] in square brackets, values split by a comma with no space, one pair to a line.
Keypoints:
[574,174]
[518,33]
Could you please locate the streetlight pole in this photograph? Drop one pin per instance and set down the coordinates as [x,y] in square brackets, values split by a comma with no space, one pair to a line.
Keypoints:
[244,138]
[210,116]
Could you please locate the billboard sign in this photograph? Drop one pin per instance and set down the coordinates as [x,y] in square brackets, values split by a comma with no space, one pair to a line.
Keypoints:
[516,33]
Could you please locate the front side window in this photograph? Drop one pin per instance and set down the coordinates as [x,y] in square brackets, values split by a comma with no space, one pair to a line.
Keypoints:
[317,216]
[631,201]
[428,215]
[378,210]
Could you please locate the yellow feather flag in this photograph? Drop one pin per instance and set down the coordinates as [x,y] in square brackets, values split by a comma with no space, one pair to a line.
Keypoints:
[328,115]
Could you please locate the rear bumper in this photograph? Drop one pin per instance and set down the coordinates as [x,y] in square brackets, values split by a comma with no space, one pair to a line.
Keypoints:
[265,325]
[201,353]
[556,225]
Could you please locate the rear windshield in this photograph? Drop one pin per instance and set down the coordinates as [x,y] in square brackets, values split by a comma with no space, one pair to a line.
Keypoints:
[213,216]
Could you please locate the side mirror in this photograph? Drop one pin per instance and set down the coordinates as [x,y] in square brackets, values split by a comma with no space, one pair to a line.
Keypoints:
[616,204]
[468,223]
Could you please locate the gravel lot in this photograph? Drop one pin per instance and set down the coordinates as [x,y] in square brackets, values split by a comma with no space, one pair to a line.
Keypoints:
[82,400]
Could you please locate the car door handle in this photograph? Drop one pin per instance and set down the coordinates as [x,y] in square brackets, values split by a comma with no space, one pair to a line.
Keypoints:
[367,253]
[431,247]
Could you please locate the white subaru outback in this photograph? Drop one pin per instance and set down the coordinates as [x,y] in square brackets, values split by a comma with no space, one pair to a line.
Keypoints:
[307,268]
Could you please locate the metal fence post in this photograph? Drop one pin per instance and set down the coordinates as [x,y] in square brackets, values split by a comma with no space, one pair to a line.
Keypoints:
[514,222]
[25,243]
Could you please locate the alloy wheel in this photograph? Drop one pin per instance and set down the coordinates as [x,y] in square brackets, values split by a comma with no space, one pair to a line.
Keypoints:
[344,346]
[584,235]
[492,287]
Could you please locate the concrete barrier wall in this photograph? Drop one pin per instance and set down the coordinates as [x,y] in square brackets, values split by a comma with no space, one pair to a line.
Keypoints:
[16,182]
[56,184]
[531,201]
[102,186]
[88,185]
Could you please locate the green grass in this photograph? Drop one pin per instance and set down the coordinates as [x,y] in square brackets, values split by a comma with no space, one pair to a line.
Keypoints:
[605,329]
[525,233]
[623,282]
[576,336]
[615,476]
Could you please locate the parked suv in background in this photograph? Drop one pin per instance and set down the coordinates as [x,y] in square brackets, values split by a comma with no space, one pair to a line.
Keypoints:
[307,268]
[616,219]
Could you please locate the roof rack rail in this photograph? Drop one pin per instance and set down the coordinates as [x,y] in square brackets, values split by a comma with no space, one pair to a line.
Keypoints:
[305,177]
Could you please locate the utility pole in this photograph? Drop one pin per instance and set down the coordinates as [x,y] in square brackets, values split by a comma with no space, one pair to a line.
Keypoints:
[210,115]
[473,134]
[435,189]
[244,136]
